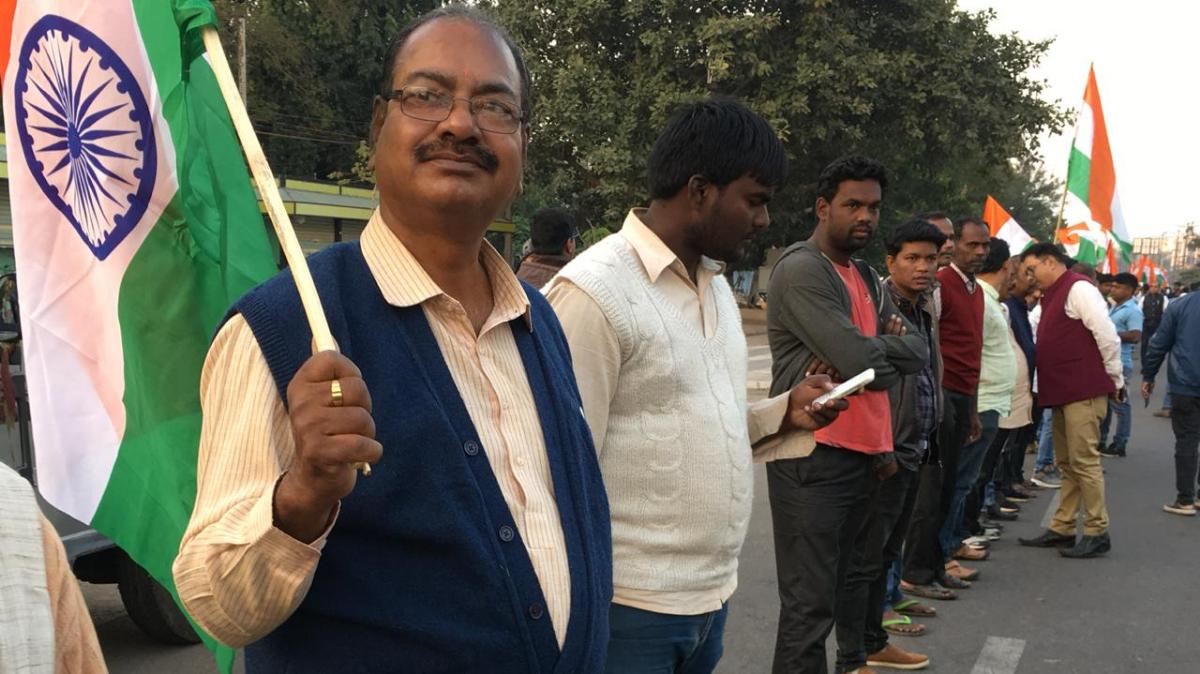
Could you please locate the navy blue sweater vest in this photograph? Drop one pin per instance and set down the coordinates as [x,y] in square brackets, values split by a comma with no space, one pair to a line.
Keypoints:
[425,570]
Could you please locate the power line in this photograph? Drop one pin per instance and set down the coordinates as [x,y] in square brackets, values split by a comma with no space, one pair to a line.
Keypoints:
[306,138]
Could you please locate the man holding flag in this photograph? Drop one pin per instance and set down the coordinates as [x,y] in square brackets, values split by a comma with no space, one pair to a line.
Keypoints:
[134,227]
[483,532]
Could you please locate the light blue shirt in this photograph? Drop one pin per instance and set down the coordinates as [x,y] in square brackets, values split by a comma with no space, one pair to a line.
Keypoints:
[1127,317]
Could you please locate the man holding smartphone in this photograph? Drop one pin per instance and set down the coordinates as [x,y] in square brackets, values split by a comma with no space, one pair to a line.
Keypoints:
[1079,371]
[830,311]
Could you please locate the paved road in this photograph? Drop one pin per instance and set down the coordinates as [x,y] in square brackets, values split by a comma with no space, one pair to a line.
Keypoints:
[1134,611]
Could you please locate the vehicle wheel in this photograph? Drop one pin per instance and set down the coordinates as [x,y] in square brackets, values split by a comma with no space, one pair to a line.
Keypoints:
[151,606]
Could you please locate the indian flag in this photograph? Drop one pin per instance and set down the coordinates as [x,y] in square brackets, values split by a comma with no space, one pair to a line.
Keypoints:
[135,227]
[1004,227]
[1095,229]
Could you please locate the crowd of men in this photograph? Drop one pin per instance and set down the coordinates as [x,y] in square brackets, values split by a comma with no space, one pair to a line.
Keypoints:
[562,479]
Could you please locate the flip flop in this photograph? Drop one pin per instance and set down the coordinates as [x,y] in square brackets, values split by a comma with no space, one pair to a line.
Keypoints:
[912,607]
[928,591]
[897,626]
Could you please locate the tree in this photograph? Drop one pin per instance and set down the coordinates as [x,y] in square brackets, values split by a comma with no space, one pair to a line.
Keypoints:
[925,88]
[313,67]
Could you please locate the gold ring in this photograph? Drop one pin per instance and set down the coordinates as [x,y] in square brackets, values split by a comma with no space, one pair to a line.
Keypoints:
[335,391]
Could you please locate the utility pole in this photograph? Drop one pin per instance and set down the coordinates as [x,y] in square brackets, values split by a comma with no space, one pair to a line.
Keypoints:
[241,57]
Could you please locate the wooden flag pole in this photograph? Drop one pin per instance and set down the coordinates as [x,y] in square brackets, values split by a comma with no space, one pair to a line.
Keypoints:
[268,190]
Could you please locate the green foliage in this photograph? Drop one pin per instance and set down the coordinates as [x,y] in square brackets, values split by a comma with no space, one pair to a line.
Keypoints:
[313,67]
[947,106]
[1187,276]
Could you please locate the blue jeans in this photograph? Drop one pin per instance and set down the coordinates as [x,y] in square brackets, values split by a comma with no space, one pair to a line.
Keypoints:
[1045,453]
[970,460]
[644,642]
[1122,412]
[893,595]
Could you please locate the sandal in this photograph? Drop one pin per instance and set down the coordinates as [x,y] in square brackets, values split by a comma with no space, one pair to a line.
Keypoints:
[912,607]
[931,591]
[903,626]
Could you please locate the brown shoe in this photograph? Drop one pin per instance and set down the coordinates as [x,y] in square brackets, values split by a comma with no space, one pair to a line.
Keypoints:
[961,572]
[894,657]
[862,670]
[968,553]
[1164,413]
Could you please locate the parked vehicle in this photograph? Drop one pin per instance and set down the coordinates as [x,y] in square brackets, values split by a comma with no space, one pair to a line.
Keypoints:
[93,558]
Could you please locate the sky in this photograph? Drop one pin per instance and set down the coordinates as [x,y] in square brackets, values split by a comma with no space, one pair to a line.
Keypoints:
[1146,58]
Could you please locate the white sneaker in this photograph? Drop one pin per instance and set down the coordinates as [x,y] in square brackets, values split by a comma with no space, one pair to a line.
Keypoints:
[991,534]
[978,540]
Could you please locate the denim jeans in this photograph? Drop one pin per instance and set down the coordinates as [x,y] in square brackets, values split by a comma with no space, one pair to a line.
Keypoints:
[893,595]
[1045,453]
[1123,414]
[644,642]
[970,460]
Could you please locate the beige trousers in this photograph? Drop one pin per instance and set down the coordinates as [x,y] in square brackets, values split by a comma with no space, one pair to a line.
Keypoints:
[1076,430]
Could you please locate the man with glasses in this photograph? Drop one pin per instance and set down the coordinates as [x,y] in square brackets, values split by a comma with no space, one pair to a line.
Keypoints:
[483,530]
[1079,370]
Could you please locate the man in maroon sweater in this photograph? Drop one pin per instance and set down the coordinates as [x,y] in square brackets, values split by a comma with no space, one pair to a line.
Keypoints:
[1079,369]
[960,330]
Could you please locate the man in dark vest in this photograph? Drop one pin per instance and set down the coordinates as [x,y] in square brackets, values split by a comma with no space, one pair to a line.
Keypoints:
[1079,370]
[480,542]
[552,235]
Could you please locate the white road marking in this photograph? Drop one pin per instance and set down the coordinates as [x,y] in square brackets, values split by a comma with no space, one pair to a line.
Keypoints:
[1000,655]
[1051,509]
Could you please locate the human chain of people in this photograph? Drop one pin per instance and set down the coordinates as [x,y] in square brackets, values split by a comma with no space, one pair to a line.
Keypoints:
[406,453]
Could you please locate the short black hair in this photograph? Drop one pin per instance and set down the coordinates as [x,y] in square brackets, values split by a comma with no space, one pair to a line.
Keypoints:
[918,230]
[997,255]
[550,229]
[1104,278]
[960,223]
[1047,249]
[464,13]
[850,167]
[719,139]
[930,216]
[1126,279]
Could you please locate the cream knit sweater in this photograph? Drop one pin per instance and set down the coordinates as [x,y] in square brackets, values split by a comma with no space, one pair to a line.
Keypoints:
[676,456]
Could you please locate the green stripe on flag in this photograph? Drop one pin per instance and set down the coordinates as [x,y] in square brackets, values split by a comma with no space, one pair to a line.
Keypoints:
[1079,172]
[209,246]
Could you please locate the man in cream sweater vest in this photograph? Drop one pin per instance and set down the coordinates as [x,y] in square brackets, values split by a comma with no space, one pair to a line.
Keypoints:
[660,358]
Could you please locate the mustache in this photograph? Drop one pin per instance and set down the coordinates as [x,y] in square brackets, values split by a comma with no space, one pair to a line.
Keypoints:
[476,152]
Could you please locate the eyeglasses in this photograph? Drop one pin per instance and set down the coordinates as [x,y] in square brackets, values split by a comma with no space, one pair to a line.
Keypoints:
[491,113]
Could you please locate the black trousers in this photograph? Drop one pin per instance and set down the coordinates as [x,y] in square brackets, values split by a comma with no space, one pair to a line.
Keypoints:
[1185,422]
[888,527]
[1148,331]
[1012,461]
[924,560]
[819,508]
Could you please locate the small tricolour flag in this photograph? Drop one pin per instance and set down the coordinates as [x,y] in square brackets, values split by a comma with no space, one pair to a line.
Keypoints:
[1004,227]
[135,227]
[1095,228]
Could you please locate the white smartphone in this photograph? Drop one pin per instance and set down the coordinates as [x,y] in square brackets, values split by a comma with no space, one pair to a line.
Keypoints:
[849,387]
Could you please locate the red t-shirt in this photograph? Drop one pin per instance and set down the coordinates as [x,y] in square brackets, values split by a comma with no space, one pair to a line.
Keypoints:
[867,425]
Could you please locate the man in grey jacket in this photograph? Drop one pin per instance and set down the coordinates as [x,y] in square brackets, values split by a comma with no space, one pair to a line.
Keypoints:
[831,312]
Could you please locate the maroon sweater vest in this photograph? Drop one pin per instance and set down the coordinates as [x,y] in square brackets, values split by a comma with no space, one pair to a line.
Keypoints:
[961,332]
[1069,365]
